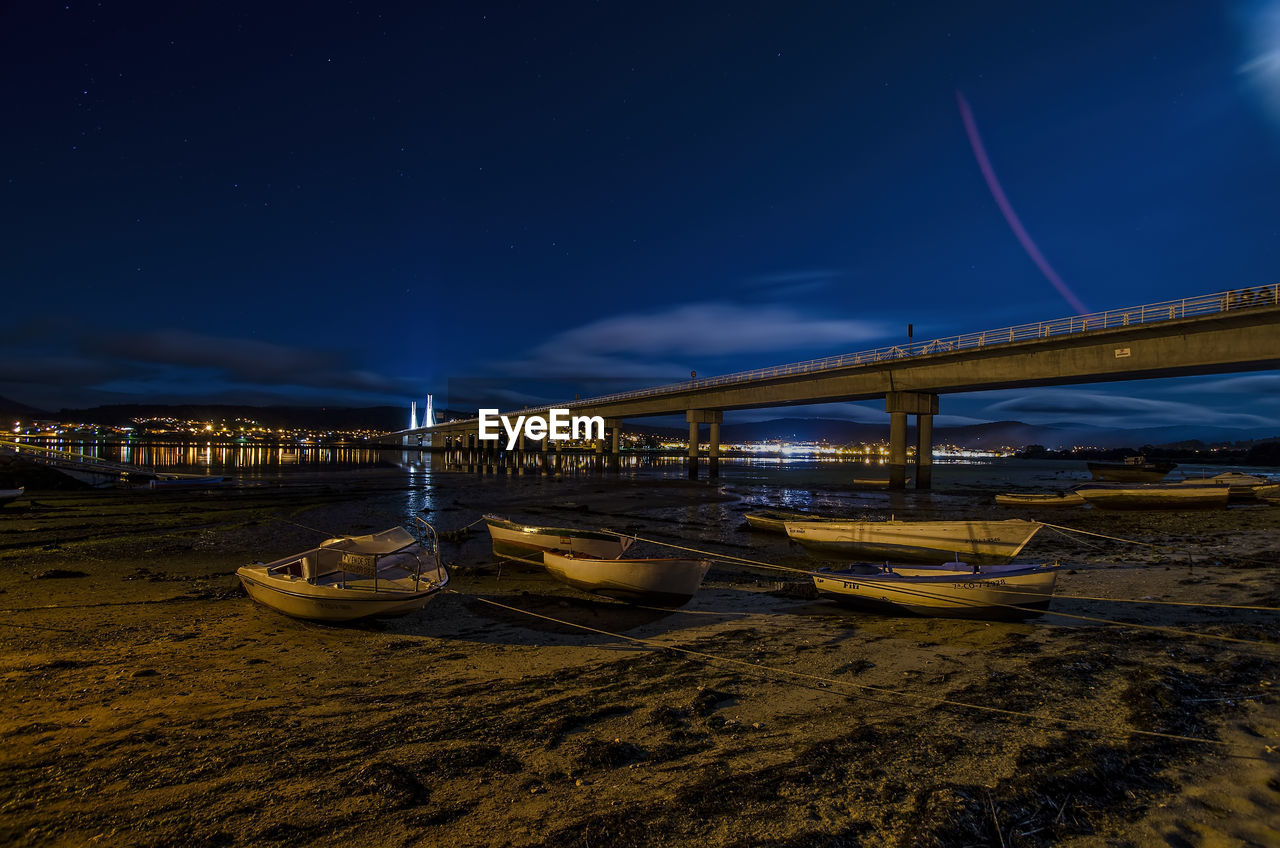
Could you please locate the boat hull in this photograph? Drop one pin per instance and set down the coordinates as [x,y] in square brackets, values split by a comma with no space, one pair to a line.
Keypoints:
[1131,472]
[298,599]
[1176,497]
[348,578]
[775,520]
[663,582]
[526,543]
[1023,499]
[1001,592]
[186,482]
[917,541]
[7,495]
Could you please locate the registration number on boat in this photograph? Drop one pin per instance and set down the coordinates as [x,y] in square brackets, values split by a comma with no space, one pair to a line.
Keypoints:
[360,563]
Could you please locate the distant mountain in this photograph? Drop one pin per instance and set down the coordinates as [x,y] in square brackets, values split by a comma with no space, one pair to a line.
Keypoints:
[13,408]
[994,434]
[310,417]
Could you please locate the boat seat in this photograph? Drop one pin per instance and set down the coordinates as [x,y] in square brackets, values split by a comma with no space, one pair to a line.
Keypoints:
[293,569]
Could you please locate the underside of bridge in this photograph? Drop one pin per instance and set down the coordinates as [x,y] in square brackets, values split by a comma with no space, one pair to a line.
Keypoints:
[1231,339]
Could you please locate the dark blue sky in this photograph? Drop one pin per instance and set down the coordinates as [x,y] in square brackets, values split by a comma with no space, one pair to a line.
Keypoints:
[359,203]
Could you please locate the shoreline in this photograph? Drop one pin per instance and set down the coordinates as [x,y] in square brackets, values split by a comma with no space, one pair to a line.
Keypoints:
[156,704]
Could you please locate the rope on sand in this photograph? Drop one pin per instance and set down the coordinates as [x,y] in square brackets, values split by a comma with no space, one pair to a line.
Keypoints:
[1059,528]
[757,669]
[920,593]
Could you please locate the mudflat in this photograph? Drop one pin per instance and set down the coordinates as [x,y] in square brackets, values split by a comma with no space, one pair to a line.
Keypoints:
[147,701]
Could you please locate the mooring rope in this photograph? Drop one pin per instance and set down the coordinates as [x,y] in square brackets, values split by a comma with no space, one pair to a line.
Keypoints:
[1099,535]
[1059,528]
[1151,601]
[920,593]
[756,668]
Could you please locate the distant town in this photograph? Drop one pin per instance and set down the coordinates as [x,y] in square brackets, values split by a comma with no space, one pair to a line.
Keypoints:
[248,430]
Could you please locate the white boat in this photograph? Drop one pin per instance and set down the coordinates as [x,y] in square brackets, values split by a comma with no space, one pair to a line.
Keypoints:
[528,543]
[1240,486]
[1040,499]
[664,582]
[1154,495]
[774,520]
[956,590]
[7,495]
[352,577]
[917,541]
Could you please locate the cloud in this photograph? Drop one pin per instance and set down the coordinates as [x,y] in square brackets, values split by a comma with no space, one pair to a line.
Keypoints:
[1115,410]
[58,369]
[1250,385]
[672,341]
[245,360]
[787,284]
[168,365]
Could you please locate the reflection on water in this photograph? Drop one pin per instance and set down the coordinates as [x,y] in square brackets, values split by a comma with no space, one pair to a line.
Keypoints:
[243,460]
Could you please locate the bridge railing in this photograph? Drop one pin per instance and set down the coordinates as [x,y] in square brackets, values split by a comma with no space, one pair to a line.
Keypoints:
[1150,313]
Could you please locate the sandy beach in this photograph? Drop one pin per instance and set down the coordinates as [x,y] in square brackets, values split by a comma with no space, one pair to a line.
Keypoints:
[148,702]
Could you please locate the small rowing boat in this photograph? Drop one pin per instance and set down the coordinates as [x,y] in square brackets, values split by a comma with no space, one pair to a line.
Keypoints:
[527,542]
[917,541]
[1134,469]
[352,577]
[1154,495]
[1040,499]
[873,482]
[664,582]
[954,590]
[185,481]
[774,520]
[1240,486]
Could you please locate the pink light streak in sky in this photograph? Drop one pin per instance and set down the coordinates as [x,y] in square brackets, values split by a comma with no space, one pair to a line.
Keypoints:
[988,173]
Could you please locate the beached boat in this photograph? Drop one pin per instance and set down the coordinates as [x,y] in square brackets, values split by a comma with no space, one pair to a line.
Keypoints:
[1269,493]
[527,543]
[185,481]
[917,541]
[873,482]
[665,582]
[774,520]
[1240,486]
[7,495]
[1154,496]
[352,577]
[956,590]
[1040,499]
[1134,469]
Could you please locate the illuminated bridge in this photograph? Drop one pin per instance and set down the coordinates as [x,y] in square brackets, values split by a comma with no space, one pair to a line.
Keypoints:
[1229,331]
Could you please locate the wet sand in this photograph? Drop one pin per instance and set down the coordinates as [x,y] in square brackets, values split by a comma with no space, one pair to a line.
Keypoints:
[147,701]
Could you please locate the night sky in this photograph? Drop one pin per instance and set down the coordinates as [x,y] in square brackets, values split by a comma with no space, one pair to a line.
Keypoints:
[360,203]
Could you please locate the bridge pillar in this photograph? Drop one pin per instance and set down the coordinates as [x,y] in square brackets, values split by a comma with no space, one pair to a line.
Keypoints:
[897,450]
[924,451]
[899,405]
[615,431]
[693,448]
[713,450]
[696,417]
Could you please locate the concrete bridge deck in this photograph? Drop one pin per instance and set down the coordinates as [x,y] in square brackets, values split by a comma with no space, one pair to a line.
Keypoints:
[1218,333]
